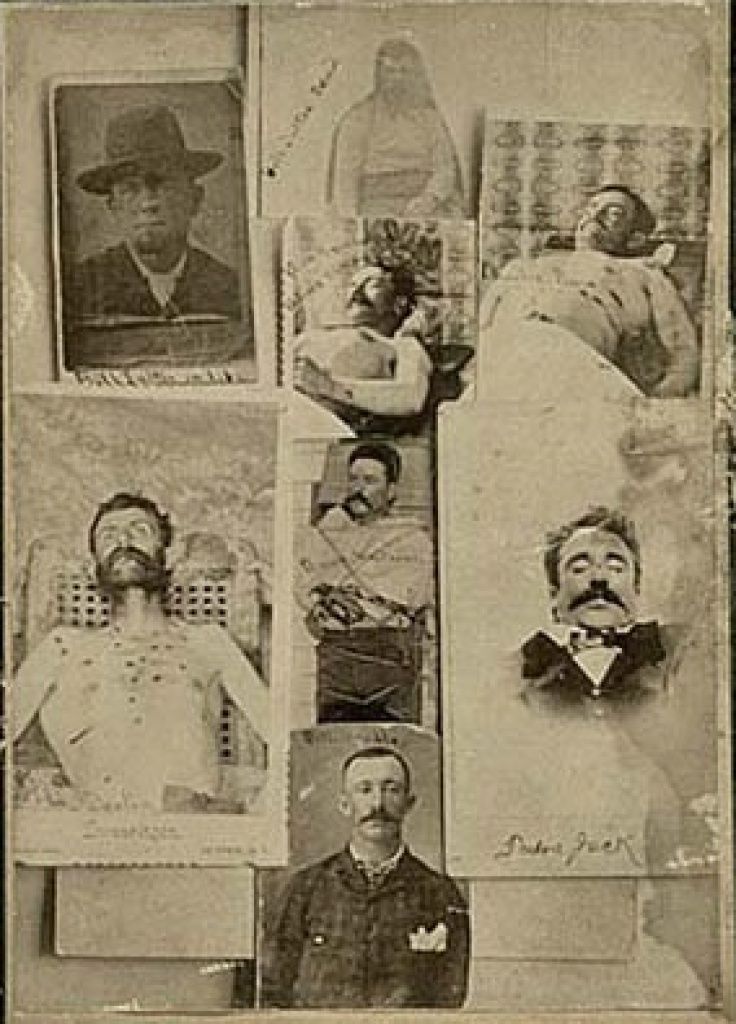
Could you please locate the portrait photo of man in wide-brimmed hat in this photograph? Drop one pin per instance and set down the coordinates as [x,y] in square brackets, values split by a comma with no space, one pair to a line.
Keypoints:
[144,281]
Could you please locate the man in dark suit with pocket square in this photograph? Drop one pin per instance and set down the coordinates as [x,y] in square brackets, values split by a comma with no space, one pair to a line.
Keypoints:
[371,925]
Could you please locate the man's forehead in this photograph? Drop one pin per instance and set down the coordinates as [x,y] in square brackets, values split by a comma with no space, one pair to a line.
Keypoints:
[611,197]
[381,766]
[368,274]
[589,537]
[126,515]
[367,464]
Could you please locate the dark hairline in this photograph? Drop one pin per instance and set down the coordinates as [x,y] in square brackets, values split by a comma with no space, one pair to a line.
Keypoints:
[381,452]
[403,280]
[644,218]
[373,753]
[608,520]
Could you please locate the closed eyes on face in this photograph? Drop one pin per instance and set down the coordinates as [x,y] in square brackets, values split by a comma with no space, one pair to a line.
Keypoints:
[612,560]
[141,527]
[138,529]
[615,213]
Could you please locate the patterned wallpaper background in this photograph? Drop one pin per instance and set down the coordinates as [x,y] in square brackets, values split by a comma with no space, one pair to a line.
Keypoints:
[538,174]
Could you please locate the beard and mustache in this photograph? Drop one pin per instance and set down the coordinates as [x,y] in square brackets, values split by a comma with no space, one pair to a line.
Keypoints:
[600,236]
[356,504]
[126,566]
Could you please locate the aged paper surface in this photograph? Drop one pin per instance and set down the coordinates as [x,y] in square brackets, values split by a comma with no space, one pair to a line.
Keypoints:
[366,514]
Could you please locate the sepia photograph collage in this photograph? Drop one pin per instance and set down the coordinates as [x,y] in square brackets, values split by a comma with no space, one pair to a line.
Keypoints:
[368,434]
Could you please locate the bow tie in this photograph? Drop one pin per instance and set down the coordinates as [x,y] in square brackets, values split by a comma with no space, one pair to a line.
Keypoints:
[587,637]
[546,660]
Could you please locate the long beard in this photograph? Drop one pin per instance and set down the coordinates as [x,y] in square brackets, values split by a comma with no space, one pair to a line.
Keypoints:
[128,567]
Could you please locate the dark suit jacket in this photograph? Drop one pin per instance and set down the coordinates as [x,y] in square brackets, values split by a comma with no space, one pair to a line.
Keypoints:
[110,284]
[554,680]
[339,942]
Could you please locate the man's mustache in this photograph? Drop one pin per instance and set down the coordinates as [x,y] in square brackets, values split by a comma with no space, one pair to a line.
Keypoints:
[601,592]
[379,816]
[357,498]
[132,553]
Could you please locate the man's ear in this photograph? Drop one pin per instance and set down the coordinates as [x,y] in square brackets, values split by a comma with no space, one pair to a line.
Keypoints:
[391,493]
[343,805]
[411,801]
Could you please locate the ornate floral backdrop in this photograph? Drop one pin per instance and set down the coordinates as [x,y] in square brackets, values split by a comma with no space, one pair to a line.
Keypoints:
[216,482]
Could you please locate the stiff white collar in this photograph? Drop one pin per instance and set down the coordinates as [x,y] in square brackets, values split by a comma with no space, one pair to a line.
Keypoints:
[382,867]
[162,285]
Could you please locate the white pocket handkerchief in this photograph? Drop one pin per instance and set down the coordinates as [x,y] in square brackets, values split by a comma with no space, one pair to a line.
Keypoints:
[434,941]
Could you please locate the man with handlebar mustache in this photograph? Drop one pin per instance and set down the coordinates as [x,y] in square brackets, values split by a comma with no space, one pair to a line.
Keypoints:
[371,925]
[366,583]
[597,650]
[588,770]
[372,369]
[132,711]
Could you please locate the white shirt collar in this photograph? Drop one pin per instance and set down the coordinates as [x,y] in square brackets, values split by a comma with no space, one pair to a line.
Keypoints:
[162,285]
[595,662]
[561,632]
[384,866]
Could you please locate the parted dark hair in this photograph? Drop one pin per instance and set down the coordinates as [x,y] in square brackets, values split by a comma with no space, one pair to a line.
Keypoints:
[123,500]
[386,454]
[601,518]
[379,750]
[644,219]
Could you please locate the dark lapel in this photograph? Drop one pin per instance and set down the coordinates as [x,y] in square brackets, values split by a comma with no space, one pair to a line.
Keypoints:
[554,674]
[134,296]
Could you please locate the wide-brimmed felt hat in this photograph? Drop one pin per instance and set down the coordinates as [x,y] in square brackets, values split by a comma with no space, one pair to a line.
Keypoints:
[145,139]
